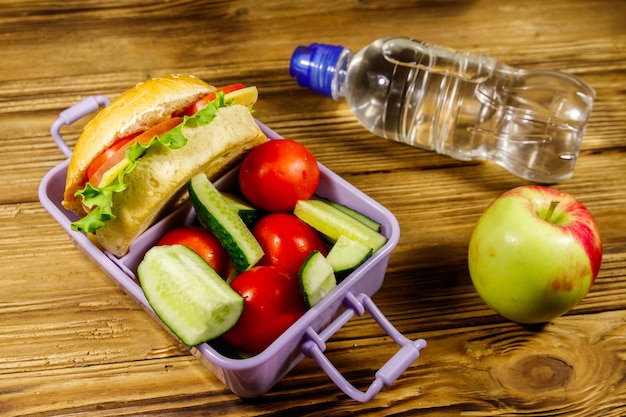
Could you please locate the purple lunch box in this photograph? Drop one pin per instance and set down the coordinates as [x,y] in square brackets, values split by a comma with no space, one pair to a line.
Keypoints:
[253,376]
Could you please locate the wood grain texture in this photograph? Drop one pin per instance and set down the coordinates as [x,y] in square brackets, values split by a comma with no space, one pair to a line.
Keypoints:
[72,343]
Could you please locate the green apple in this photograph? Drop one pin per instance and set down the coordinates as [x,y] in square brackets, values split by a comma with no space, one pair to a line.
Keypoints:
[534,254]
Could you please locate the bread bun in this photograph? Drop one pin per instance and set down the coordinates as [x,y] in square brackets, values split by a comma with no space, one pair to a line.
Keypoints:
[137,109]
[161,174]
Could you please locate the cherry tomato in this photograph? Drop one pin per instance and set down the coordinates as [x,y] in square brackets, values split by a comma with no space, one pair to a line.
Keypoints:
[272,303]
[287,241]
[278,173]
[201,241]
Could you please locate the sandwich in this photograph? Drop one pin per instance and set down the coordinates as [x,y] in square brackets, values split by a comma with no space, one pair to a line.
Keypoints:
[134,159]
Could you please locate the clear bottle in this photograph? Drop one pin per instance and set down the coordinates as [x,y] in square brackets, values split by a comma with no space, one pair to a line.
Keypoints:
[462,105]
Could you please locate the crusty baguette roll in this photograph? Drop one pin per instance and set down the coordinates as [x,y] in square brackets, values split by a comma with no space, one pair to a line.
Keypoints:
[161,174]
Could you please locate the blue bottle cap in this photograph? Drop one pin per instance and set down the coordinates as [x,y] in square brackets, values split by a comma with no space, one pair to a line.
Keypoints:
[314,66]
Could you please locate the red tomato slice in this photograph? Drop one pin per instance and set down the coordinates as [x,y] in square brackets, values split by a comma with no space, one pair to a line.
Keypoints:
[201,103]
[202,242]
[119,153]
[107,154]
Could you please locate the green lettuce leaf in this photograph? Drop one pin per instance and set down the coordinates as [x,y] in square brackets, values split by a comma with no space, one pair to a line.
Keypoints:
[100,199]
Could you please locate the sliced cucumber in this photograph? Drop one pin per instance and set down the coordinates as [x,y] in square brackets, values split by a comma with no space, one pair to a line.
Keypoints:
[248,213]
[217,215]
[346,255]
[316,278]
[369,222]
[187,294]
[333,223]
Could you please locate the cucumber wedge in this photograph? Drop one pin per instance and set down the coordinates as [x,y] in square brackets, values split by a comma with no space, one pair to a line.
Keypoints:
[346,255]
[217,215]
[369,222]
[248,213]
[316,278]
[187,294]
[333,223]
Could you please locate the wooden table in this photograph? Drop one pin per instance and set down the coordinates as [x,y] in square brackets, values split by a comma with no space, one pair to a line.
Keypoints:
[72,343]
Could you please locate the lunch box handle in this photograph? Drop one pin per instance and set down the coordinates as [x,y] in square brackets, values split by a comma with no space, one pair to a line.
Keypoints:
[409,350]
[73,114]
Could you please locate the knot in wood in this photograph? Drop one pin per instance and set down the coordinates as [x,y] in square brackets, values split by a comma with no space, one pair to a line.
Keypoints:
[538,374]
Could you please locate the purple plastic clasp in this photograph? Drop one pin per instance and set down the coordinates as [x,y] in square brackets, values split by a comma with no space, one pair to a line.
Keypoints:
[409,350]
[73,114]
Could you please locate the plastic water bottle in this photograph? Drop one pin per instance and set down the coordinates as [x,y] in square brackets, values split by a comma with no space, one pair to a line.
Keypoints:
[459,104]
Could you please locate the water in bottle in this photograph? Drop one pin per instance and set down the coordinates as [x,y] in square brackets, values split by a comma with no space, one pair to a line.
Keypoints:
[459,104]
